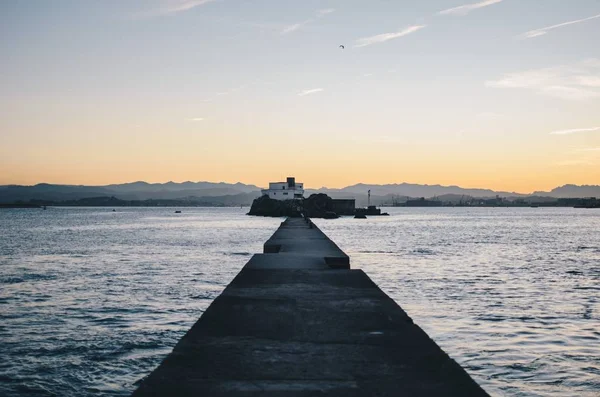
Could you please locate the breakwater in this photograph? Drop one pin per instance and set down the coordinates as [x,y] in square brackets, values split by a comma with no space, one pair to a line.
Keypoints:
[298,321]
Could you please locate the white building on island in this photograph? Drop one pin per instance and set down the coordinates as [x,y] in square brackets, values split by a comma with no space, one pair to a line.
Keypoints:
[288,190]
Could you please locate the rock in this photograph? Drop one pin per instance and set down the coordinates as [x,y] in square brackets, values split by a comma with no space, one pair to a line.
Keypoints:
[316,206]
[330,215]
[371,211]
[265,206]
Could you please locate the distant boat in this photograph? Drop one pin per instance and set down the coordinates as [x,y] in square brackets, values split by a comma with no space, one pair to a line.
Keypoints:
[178,212]
[114,210]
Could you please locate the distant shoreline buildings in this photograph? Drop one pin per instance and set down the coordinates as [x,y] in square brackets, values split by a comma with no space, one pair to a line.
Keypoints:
[288,190]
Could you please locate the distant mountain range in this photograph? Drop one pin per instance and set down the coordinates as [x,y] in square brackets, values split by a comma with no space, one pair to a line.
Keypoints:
[568,191]
[389,193]
[209,193]
[415,190]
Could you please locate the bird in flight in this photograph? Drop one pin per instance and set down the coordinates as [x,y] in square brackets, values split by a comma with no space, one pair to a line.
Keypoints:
[342,46]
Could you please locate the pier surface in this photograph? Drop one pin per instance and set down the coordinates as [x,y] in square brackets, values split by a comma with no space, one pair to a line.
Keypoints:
[296,321]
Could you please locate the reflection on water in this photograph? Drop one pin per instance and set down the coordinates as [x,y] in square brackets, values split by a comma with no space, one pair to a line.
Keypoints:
[91,300]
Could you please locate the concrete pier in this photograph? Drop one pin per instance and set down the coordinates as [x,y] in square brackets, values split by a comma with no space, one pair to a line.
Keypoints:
[297,321]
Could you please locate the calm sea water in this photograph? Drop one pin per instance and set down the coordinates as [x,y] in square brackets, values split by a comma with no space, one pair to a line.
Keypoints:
[92,300]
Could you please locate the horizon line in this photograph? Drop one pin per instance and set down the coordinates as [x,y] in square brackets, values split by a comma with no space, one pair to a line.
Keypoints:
[309,188]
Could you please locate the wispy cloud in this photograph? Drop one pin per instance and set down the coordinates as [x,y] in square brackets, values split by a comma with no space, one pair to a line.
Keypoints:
[589,81]
[574,162]
[310,92]
[589,149]
[297,26]
[575,131]
[170,7]
[231,91]
[381,38]
[324,11]
[540,32]
[467,8]
[576,82]
[196,119]
[294,27]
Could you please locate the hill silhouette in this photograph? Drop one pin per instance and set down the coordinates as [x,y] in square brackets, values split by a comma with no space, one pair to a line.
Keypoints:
[210,193]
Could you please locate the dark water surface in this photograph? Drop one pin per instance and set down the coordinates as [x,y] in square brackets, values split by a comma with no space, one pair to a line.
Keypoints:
[92,300]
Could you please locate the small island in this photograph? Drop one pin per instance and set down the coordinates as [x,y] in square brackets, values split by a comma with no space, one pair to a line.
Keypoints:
[286,199]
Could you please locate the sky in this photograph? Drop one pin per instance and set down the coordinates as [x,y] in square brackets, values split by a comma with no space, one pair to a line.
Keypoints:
[501,94]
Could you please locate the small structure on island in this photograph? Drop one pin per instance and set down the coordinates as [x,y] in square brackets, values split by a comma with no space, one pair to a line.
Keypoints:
[344,206]
[287,199]
[361,213]
[288,190]
[422,202]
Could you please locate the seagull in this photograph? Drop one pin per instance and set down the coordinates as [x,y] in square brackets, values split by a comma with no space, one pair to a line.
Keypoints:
[342,47]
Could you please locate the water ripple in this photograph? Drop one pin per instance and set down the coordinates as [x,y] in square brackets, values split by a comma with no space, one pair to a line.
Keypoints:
[92,301]
[515,302]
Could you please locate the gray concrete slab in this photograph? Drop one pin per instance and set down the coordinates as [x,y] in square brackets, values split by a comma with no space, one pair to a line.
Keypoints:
[286,261]
[288,325]
[296,237]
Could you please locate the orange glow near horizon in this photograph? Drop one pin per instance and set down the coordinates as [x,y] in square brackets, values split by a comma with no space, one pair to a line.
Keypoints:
[345,170]
[111,154]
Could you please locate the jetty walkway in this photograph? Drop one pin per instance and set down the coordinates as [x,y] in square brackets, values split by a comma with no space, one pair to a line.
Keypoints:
[297,321]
